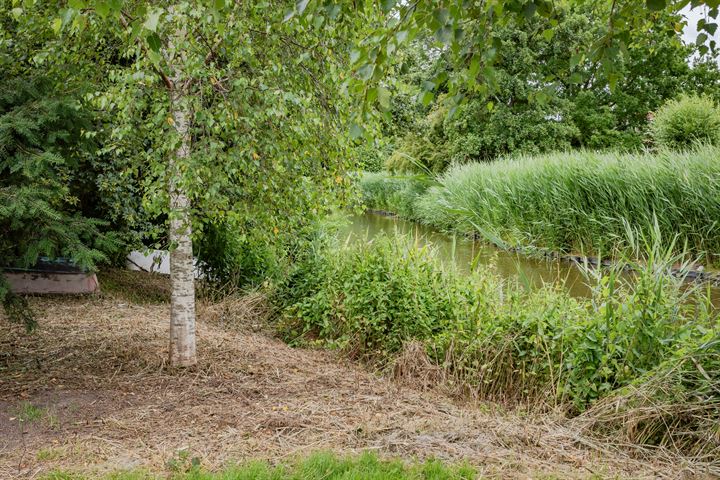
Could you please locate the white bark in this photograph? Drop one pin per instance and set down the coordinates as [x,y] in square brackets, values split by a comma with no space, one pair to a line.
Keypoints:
[182,298]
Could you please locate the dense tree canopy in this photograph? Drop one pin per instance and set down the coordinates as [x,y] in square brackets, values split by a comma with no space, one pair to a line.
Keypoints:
[541,103]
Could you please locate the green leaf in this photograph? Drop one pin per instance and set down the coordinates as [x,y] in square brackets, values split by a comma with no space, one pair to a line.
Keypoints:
[401,36]
[655,5]
[318,21]
[17,12]
[441,15]
[151,22]
[711,28]
[154,42]
[612,81]
[354,56]
[301,5]
[444,34]
[76,4]
[383,97]
[474,68]
[576,59]
[57,25]
[548,34]
[388,5]
[115,5]
[219,4]
[366,71]
[102,9]
[530,10]
[356,131]
[427,97]
[154,57]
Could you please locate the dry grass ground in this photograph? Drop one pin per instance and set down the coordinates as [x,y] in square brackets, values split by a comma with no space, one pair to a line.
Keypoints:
[91,391]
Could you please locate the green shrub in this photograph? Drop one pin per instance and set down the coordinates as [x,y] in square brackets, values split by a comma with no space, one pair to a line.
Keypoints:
[688,120]
[372,157]
[675,405]
[231,257]
[497,341]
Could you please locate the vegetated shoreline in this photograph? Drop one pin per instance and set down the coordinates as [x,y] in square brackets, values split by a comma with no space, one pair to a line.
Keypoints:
[575,203]
[105,401]
[636,349]
[700,275]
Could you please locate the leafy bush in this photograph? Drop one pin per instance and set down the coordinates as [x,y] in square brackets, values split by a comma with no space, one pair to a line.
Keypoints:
[372,157]
[497,341]
[675,405]
[231,258]
[688,120]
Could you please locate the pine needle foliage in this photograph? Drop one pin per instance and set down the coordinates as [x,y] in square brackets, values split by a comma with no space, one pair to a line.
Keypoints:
[41,155]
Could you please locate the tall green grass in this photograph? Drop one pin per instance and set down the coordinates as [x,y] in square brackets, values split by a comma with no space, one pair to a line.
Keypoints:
[395,194]
[583,202]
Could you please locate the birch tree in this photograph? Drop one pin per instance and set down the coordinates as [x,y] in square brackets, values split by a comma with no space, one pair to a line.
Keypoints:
[240,113]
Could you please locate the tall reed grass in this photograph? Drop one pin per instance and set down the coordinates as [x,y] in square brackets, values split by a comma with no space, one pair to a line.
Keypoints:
[582,201]
[395,194]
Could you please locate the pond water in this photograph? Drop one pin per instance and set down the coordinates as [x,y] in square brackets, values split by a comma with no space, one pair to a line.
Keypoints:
[463,252]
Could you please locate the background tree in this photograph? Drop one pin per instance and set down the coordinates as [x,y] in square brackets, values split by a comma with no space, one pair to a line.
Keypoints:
[541,104]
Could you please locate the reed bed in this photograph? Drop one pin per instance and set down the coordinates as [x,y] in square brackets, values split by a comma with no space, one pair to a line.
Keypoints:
[582,201]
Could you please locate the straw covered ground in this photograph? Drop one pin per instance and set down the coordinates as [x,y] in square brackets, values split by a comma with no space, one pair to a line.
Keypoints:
[90,391]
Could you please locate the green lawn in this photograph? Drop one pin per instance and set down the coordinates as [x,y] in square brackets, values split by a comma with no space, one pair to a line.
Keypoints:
[323,466]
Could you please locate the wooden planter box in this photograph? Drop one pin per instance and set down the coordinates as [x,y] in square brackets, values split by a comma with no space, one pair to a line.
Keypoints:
[51,277]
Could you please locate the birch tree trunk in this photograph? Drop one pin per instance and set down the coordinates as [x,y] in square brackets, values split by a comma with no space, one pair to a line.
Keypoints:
[182,279]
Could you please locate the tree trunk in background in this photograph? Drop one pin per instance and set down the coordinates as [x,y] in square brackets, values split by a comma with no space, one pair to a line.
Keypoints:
[182,279]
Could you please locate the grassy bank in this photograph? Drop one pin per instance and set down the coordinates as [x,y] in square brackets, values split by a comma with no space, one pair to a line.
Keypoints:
[580,202]
[495,341]
[320,466]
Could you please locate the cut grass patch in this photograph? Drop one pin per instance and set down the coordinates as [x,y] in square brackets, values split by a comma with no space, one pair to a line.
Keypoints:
[320,466]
